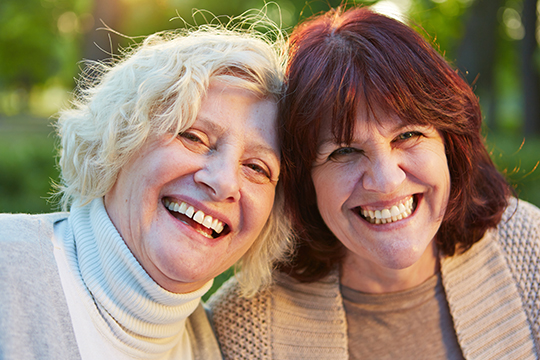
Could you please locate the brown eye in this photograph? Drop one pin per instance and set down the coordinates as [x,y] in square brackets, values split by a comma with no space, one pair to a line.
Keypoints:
[258,169]
[408,135]
[344,154]
[195,141]
[256,173]
[189,136]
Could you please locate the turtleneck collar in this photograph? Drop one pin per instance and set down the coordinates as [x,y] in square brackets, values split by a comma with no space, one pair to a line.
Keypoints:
[143,318]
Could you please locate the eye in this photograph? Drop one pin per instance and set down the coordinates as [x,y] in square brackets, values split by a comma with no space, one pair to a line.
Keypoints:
[195,141]
[257,172]
[190,136]
[408,135]
[258,169]
[344,154]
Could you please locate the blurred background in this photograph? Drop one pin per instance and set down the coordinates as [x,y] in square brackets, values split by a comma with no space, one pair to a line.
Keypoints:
[494,43]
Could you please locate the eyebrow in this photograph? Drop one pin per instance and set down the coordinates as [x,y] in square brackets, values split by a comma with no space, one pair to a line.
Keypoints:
[212,125]
[268,150]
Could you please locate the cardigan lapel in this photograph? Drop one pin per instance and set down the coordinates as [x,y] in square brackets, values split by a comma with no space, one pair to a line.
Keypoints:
[308,320]
[203,342]
[484,301]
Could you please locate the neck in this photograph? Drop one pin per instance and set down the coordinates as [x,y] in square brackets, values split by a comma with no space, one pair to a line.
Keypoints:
[128,307]
[368,277]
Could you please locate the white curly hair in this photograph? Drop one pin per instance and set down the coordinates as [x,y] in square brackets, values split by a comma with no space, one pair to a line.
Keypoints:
[157,88]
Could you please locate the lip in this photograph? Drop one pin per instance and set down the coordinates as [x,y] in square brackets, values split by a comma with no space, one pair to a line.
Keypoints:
[199,206]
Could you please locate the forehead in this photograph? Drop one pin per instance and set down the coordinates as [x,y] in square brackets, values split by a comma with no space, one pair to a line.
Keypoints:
[365,119]
[232,111]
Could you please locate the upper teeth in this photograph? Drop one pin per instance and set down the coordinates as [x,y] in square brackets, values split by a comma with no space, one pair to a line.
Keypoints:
[197,215]
[394,213]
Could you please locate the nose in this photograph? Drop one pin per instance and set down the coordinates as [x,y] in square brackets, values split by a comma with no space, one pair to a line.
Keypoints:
[384,174]
[220,175]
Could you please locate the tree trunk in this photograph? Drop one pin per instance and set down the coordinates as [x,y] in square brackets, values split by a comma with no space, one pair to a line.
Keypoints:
[476,52]
[529,70]
[100,44]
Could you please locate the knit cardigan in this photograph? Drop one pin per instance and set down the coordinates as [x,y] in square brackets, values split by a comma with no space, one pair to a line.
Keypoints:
[34,318]
[492,292]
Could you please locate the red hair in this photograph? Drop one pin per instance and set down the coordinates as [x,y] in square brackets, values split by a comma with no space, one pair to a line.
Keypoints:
[344,57]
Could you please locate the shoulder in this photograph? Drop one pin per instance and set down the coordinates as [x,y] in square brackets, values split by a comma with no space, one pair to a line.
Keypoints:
[34,313]
[241,324]
[26,249]
[519,229]
[285,297]
[17,226]
[27,235]
[518,235]
[288,320]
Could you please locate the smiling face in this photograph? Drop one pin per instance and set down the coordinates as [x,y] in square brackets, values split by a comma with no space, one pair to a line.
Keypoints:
[189,208]
[384,197]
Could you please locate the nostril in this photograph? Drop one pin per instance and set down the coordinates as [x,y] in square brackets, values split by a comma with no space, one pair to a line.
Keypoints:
[220,185]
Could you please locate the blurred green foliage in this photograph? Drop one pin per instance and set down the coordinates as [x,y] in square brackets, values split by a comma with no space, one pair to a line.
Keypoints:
[518,158]
[43,41]
[27,164]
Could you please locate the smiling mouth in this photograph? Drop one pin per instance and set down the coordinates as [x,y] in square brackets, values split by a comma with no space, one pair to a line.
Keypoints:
[204,224]
[389,215]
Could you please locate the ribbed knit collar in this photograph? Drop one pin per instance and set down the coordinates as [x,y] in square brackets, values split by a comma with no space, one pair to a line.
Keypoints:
[144,319]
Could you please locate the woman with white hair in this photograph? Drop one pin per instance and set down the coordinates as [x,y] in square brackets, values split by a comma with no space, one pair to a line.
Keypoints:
[169,166]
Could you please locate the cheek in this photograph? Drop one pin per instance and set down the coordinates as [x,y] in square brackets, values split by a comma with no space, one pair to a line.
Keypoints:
[438,164]
[432,169]
[322,189]
[333,186]
[445,192]
[258,206]
[430,164]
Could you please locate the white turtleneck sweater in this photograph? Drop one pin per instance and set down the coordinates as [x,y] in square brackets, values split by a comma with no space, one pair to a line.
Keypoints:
[117,310]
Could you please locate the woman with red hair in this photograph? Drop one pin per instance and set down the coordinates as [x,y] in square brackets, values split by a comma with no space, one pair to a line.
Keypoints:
[409,242]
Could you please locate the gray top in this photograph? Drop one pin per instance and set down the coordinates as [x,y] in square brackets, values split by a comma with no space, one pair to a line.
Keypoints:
[34,316]
[410,324]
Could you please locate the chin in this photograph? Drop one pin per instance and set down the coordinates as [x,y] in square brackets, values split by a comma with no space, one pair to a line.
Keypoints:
[397,258]
[400,264]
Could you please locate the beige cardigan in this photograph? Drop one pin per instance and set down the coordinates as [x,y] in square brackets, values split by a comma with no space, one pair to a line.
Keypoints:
[492,291]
